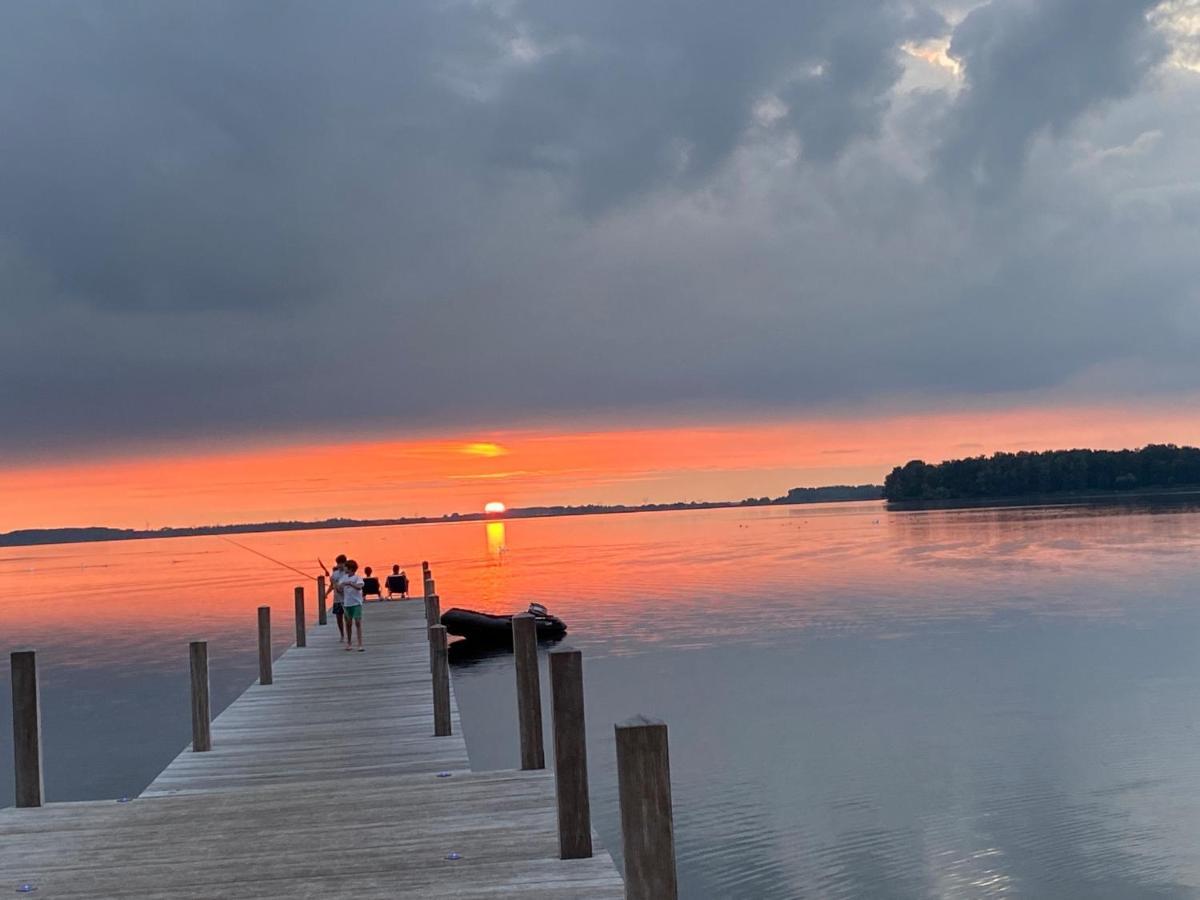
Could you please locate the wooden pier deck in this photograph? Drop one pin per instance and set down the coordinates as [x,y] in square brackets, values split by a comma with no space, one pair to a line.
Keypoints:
[328,782]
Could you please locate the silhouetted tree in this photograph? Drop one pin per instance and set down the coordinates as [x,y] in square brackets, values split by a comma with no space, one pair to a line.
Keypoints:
[1046,472]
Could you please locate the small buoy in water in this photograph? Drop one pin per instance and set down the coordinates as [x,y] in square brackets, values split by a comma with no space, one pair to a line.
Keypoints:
[26,888]
[444,774]
[453,856]
[124,799]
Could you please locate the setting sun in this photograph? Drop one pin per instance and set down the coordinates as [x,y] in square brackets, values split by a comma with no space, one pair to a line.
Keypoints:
[495,507]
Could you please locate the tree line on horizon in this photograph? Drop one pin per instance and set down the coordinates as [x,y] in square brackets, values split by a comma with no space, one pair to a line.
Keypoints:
[1155,466]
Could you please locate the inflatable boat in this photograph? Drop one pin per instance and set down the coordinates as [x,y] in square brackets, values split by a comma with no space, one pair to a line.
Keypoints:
[496,631]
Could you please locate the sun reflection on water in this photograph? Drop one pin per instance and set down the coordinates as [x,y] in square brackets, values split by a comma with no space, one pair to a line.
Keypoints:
[495,540]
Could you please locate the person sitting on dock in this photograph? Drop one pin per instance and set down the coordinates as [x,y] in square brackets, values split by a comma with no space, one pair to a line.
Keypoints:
[370,585]
[352,603]
[397,583]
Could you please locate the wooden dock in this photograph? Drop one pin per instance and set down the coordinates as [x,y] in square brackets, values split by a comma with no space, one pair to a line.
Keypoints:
[326,783]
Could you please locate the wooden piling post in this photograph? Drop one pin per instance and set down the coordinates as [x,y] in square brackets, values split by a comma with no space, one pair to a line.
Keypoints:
[265,675]
[27,729]
[441,681]
[529,694]
[301,630]
[570,755]
[322,616]
[433,616]
[644,786]
[430,587]
[201,712]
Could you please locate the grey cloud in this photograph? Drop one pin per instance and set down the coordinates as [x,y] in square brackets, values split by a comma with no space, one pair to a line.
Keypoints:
[238,219]
[1033,67]
[162,155]
[647,93]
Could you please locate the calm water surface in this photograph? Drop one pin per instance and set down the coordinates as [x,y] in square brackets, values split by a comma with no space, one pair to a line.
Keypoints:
[973,703]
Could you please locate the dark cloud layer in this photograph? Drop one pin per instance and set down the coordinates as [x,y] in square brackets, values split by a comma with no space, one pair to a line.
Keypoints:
[235,218]
[1032,67]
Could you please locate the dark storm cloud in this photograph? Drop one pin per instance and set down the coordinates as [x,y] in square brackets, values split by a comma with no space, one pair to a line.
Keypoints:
[664,91]
[1034,66]
[241,218]
[158,155]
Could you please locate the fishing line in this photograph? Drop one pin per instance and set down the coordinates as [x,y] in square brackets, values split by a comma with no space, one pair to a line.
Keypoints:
[270,558]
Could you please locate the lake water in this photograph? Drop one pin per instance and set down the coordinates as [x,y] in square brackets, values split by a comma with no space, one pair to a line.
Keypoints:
[861,703]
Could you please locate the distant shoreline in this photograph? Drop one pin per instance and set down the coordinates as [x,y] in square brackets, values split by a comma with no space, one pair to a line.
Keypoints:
[34,537]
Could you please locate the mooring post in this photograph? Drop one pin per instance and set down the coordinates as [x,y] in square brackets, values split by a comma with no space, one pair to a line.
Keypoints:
[27,729]
[430,587]
[265,675]
[441,681]
[529,693]
[570,755]
[433,610]
[301,630]
[433,616]
[322,616]
[644,786]
[201,717]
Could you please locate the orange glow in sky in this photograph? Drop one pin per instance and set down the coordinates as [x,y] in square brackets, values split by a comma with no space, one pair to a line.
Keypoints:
[460,473]
[484,448]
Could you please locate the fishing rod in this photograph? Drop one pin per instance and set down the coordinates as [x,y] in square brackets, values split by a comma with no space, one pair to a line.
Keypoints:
[264,556]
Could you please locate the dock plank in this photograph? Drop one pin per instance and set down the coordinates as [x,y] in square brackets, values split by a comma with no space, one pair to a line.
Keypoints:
[324,783]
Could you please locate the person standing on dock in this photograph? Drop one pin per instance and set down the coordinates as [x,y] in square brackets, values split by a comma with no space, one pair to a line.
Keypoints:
[335,588]
[352,603]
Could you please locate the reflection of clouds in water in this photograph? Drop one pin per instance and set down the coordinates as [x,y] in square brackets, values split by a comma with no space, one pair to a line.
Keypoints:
[729,844]
[1069,541]
[1047,844]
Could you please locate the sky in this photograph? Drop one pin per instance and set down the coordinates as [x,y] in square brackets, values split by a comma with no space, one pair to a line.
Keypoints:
[656,249]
